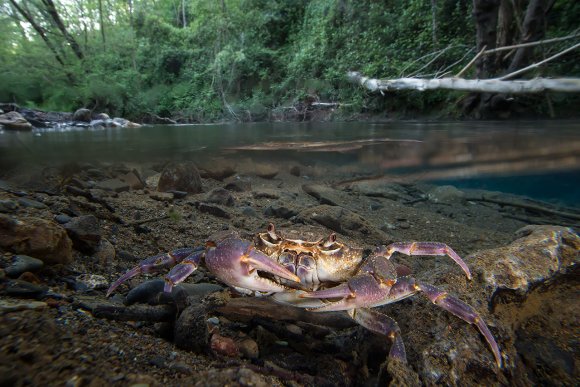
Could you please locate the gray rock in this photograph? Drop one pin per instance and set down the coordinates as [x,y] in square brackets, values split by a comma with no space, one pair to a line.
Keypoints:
[380,189]
[133,178]
[278,210]
[212,209]
[85,232]
[21,264]
[29,203]
[116,185]
[191,330]
[220,196]
[82,114]
[161,196]
[7,206]
[239,185]
[266,194]
[180,177]
[62,218]
[446,194]
[105,253]
[249,211]
[324,194]
[14,121]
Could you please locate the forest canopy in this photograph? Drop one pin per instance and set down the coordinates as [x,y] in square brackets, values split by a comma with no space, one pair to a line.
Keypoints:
[201,60]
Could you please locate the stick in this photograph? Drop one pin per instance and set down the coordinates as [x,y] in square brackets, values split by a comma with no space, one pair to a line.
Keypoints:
[479,54]
[523,205]
[532,66]
[530,44]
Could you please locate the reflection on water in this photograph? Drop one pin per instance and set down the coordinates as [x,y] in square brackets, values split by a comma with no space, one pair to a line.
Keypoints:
[515,154]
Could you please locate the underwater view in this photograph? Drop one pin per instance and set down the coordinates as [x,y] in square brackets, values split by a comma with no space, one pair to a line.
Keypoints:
[287,254]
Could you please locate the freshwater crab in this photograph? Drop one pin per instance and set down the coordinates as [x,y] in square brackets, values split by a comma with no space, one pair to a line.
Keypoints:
[322,275]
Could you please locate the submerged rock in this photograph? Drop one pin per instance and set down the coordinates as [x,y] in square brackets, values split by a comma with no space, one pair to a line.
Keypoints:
[85,233]
[180,177]
[22,263]
[36,237]
[220,196]
[540,254]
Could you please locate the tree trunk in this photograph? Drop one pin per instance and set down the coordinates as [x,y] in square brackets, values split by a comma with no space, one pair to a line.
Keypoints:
[537,85]
[51,9]
[533,30]
[39,30]
[486,16]
[102,21]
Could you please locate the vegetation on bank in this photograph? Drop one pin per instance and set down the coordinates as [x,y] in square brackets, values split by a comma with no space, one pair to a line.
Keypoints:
[201,60]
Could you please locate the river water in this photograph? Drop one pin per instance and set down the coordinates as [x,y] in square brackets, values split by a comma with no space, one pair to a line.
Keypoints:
[539,159]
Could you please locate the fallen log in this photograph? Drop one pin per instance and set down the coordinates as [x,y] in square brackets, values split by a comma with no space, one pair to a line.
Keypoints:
[537,85]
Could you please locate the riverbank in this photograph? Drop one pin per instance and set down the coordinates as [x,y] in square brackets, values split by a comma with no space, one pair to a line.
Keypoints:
[58,326]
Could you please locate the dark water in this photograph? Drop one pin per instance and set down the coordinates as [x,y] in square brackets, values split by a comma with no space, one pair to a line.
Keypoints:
[540,159]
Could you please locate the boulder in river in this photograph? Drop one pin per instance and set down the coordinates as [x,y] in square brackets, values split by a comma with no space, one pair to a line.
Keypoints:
[15,121]
[82,114]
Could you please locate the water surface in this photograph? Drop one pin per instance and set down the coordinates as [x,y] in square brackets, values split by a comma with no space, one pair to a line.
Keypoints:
[540,159]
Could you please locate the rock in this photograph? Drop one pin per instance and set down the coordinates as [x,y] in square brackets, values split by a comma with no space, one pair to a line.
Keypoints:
[29,203]
[278,210]
[249,348]
[116,185]
[324,194]
[345,222]
[23,289]
[133,179]
[105,253]
[180,177]
[102,116]
[7,206]
[249,211]
[22,263]
[220,196]
[191,330]
[266,194]
[234,376]
[82,115]
[178,194]
[265,171]
[224,346]
[91,282]
[446,194]
[218,170]
[161,196]
[14,121]
[239,185]
[7,306]
[62,218]
[540,254]
[36,237]
[212,209]
[295,171]
[379,189]
[85,233]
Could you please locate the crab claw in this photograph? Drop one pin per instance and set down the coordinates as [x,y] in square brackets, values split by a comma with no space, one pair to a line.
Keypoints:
[361,291]
[237,263]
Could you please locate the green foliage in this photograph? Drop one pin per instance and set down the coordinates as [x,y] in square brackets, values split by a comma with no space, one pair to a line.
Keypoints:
[202,60]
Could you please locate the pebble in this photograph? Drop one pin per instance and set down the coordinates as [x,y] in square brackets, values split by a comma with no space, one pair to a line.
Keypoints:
[29,203]
[21,264]
[115,185]
[279,211]
[249,348]
[239,185]
[91,282]
[220,196]
[161,196]
[23,289]
[85,233]
[223,345]
[62,218]
[180,177]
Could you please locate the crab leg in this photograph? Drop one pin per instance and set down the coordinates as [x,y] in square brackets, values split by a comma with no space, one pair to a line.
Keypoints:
[461,310]
[422,248]
[182,270]
[153,264]
[383,325]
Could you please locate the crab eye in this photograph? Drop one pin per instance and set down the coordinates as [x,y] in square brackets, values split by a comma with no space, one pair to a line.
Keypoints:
[329,242]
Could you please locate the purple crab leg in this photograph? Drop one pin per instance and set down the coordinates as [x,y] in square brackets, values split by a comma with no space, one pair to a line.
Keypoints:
[422,248]
[182,270]
[383,325]
[463,311]
[152,264]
